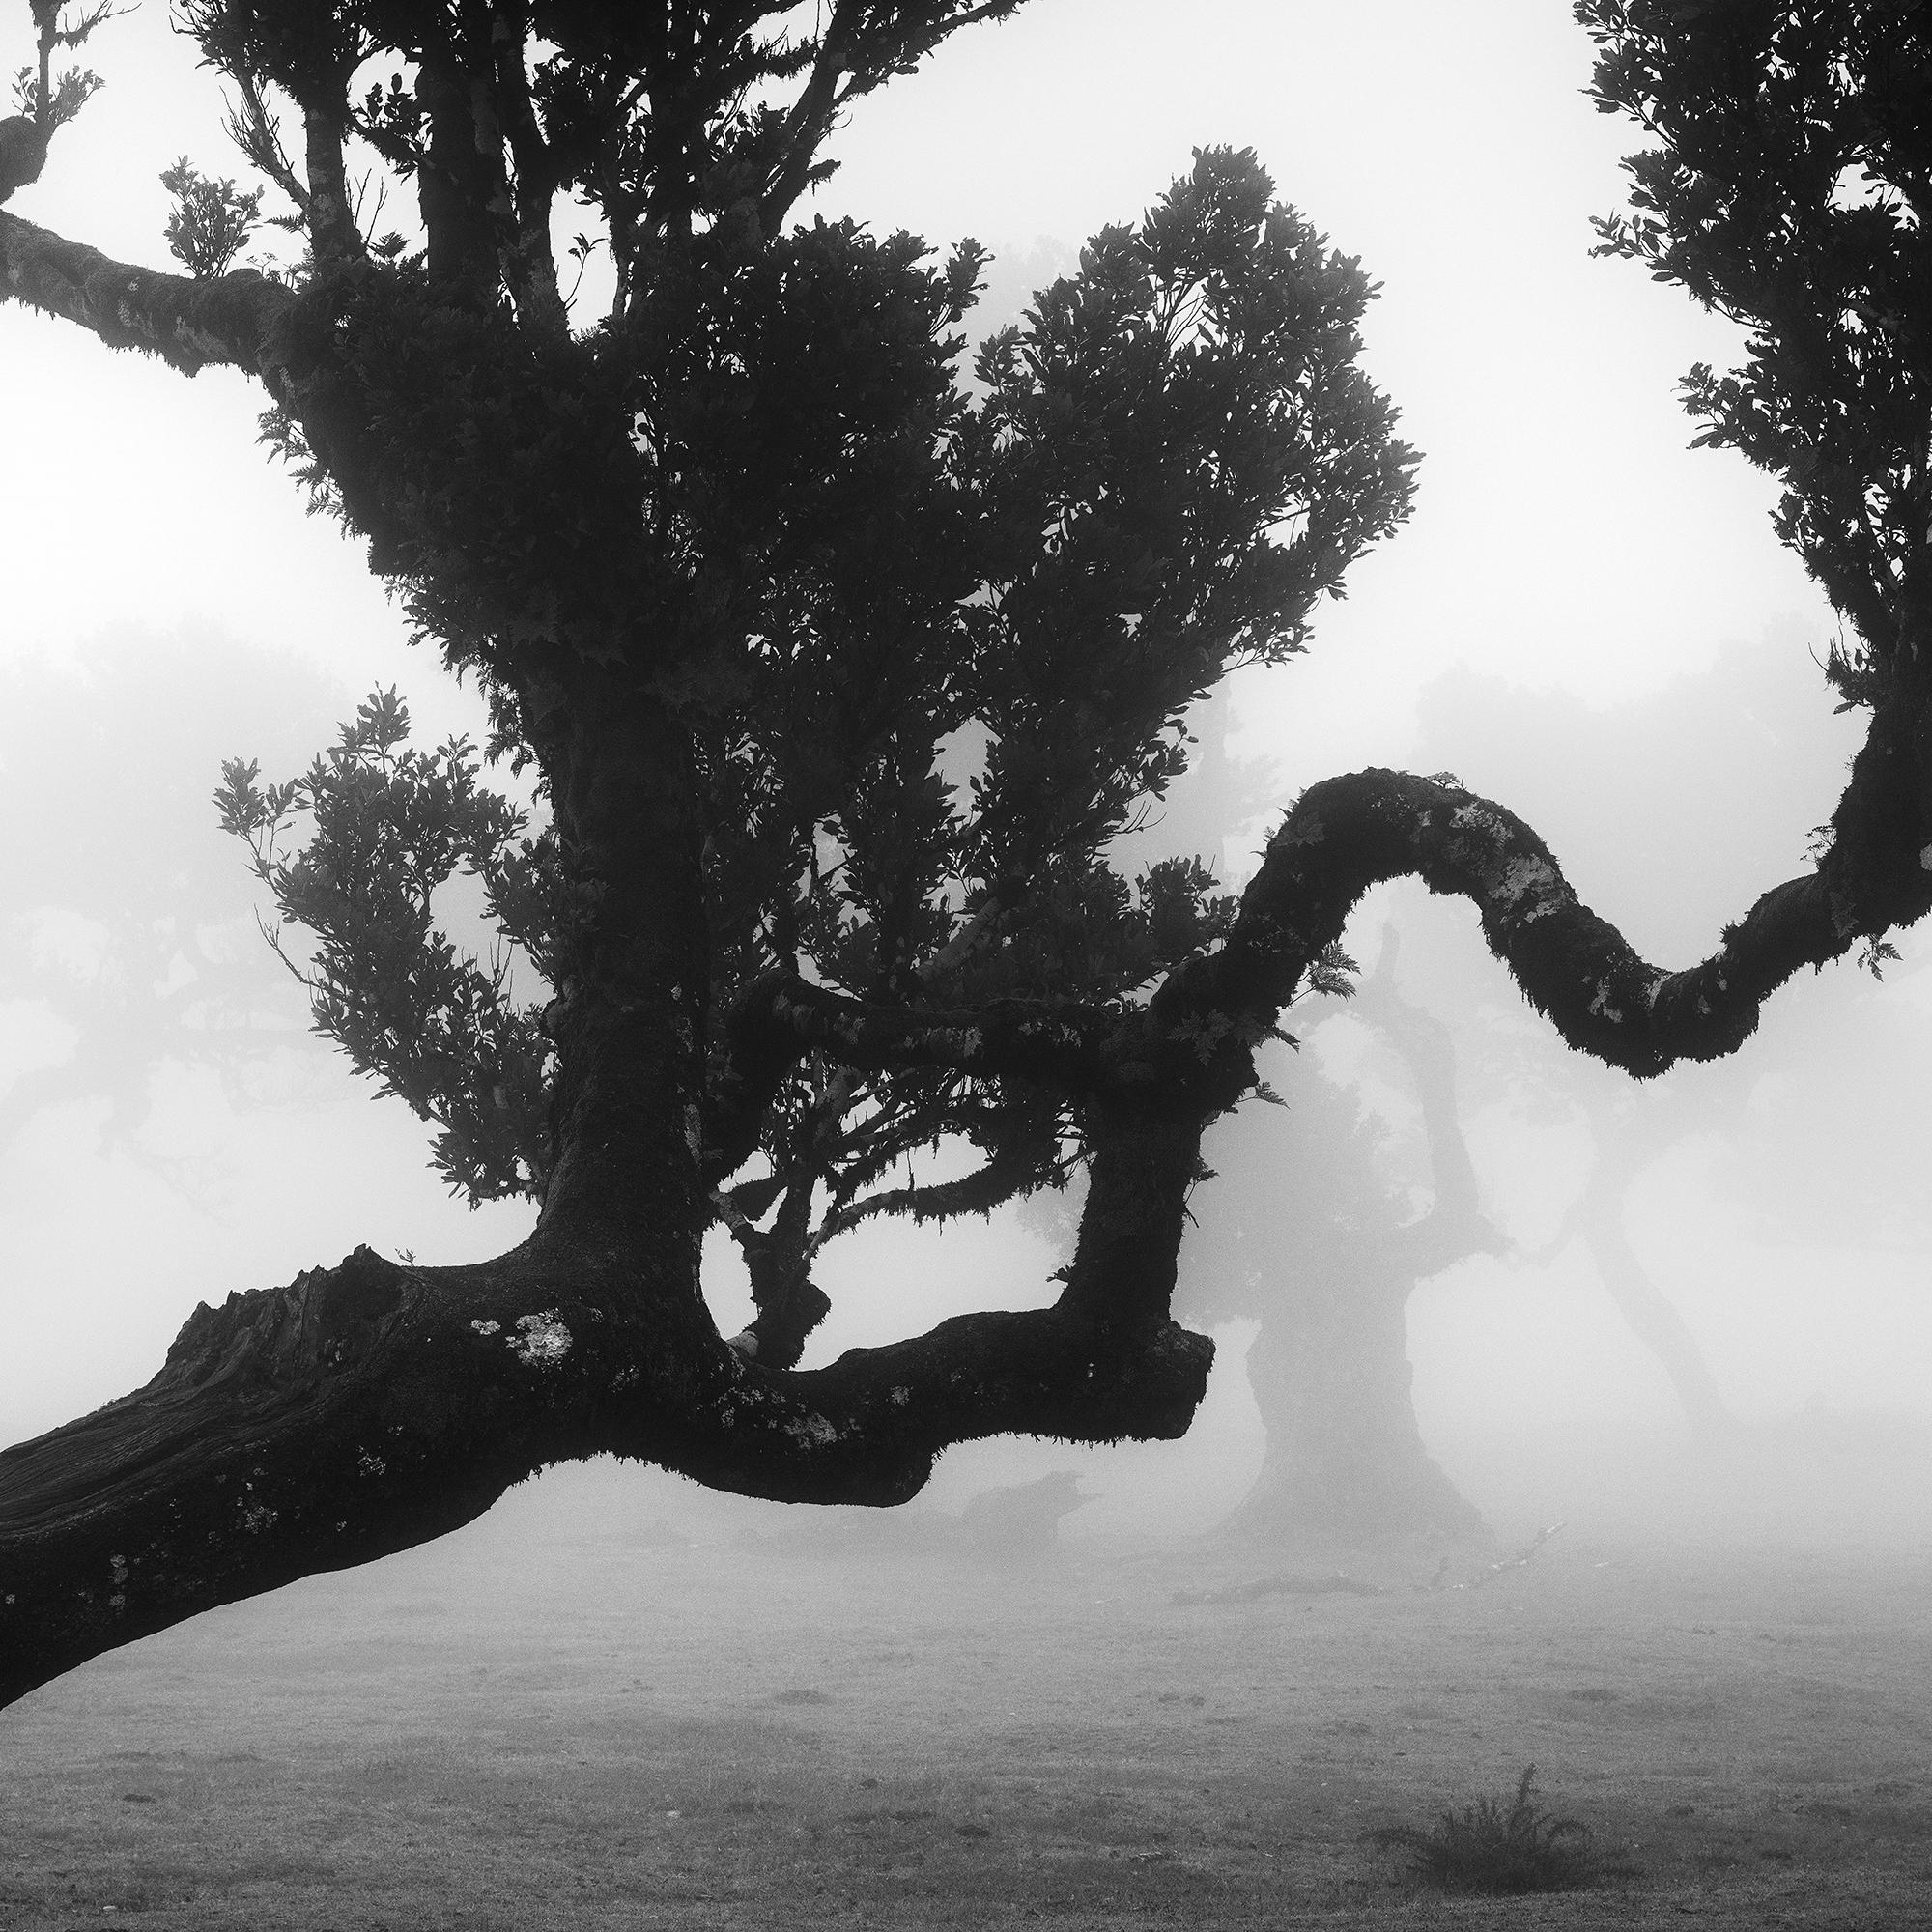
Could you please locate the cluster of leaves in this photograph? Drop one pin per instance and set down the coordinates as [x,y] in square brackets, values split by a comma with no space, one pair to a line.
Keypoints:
[1182,457]
[389,827]
[1173,458]
[48,99]
[768,492]
[210,222]
[1498,1850]
[494,479]
[1792,192]
[66,97]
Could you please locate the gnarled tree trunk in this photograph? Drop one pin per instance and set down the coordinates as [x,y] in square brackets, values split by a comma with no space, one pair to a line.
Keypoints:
[1345,1460]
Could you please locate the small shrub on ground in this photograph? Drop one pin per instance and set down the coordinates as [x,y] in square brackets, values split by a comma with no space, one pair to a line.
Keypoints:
[1490,1848]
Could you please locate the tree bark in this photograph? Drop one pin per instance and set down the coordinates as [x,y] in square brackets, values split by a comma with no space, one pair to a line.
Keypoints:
[1653,1321]
[1597,1220]
[632,1019]
[1345,1460]
[187,323]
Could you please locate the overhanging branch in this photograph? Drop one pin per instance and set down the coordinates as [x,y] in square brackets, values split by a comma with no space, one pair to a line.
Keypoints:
[189,324]
[1348,833]
[369,1408]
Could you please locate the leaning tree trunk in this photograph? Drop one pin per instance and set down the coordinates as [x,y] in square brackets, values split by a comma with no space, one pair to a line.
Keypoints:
[1345,1460]
[1653,1321]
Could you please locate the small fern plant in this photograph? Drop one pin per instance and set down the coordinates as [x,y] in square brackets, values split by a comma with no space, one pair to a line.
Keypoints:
[1498,1850]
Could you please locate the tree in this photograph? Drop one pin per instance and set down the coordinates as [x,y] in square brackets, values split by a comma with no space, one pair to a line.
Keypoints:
[103,945]
[745,554]
[1344,1459]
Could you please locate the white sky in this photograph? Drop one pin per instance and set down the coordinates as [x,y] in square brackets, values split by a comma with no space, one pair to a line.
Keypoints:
[1564,536]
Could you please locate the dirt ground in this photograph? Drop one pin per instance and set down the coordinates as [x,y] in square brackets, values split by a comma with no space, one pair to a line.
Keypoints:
[862,1723]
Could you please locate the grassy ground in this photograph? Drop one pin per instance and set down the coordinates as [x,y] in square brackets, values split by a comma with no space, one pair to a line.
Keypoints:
[583,1729]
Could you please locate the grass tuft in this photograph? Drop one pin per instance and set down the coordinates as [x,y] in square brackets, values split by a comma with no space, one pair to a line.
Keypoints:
[1497,1849]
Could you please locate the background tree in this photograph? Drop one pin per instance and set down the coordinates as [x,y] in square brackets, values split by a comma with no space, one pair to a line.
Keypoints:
[131,946]
[751,508]
[1345,1459]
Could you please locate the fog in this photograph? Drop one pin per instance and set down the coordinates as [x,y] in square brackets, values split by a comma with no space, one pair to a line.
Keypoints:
[1696,1315]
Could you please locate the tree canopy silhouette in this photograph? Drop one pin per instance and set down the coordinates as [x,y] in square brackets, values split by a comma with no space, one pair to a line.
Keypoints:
[740,563]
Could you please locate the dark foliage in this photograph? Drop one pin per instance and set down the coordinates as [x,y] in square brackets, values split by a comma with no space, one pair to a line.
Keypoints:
[1498,1850]
[1790,189]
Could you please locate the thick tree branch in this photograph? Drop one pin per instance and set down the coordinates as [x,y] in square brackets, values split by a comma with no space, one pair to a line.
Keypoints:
[457,183]
[1348,833]
[189,324]
[369,1408]
[530,264]
[374,1407]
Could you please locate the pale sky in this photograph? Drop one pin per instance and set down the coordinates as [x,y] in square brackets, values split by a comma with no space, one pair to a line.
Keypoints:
[1564,535]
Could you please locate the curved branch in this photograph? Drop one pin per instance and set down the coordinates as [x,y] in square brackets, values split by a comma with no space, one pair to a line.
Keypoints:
[1343,837]
[189,324]
[1348,834]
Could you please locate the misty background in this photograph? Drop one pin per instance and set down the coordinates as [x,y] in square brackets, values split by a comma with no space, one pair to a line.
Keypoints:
[1584,620]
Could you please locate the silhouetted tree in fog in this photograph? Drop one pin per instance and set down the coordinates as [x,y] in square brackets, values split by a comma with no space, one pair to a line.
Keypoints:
[1330,1285]
[739,563]
[131,941]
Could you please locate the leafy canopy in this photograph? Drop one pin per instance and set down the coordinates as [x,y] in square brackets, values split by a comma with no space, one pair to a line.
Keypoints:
[1791,191]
